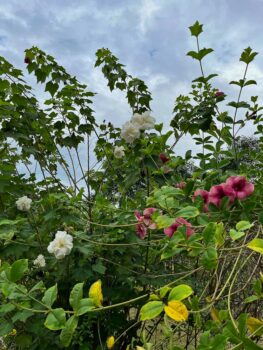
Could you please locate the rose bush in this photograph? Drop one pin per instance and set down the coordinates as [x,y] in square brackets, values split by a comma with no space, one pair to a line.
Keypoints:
[145,250]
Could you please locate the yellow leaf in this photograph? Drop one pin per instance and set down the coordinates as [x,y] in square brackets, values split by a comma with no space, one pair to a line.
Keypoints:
[95,293]
[139,348]
[253,324]
[176,310]
[215,315]
[110,342]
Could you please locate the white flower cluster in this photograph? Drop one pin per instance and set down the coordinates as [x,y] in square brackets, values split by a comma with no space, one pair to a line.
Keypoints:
[61,245]
[24,203]
[40,261]
[119,152]
[131,130]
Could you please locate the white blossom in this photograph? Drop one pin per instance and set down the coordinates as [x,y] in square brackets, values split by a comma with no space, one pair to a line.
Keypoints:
[144,121]
[119,152]
[61,245]
[24,203]
[130,132]
[40,261]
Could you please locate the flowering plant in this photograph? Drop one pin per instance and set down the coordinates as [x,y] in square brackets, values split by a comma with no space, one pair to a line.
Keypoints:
[146,249]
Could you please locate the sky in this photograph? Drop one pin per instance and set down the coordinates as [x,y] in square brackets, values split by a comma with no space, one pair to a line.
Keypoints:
[151,37]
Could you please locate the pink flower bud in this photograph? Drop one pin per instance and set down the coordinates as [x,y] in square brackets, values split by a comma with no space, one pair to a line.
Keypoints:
[180,185]
[164,159]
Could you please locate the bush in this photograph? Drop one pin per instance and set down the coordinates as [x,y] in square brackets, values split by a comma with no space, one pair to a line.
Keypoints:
[145,249]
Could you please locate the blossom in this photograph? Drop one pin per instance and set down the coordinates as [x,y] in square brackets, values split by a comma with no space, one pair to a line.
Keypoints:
[241,187]
[40,261]
[163,158]
[144,221]
[130,132]
[218,192]
[24,203]
[169,231]
[61,245]
[180,185]
[118,152]
[205,195]
[144,121]
[219,94]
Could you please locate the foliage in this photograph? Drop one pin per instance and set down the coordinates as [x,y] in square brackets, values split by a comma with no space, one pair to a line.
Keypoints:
[145,242]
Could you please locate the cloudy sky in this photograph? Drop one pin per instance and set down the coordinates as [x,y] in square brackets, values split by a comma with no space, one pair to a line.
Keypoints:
[150,37]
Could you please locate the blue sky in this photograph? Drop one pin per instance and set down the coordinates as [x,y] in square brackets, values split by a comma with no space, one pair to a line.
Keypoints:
[150,37]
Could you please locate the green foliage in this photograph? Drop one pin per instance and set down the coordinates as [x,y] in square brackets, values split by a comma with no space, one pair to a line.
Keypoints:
[122,275]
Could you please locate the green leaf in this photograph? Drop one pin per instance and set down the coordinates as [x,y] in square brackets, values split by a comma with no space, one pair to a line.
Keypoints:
[257,245]
[51,88]
[84,306]
[188,212]
[67,332]
[163,291]
[76,295]
[180,292]
[243,225]
[164,221]
[236,234]
[209,258]
[151,310]
[18,270]
[56,319]
[248,55]
[196,29]
[50,295]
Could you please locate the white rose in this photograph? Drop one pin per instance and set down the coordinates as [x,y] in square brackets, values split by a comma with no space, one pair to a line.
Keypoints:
[144,120]
[40,261]
[61,245]
[24,203]
[130,132]
[119,152]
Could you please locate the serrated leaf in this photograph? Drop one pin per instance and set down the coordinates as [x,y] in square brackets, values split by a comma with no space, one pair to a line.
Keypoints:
[196,29]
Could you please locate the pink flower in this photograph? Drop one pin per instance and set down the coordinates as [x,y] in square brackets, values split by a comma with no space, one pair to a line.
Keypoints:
[219,94]
[141,231]
[163,157]
[205,195]
[144,221]
[180,185]
[27,60]
[241,187]
[218,192]
[169,231]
